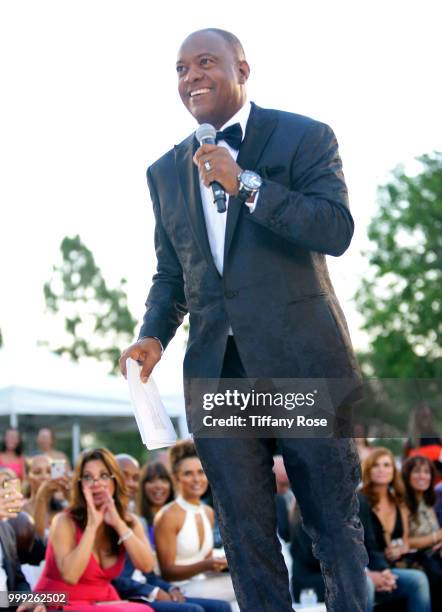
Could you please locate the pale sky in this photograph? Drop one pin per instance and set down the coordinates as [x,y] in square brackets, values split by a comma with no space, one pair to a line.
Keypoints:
[89,100]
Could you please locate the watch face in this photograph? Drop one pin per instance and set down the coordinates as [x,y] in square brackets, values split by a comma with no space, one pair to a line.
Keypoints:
[251,180]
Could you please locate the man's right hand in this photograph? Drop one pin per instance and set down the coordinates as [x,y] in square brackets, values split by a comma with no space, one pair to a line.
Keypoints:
[146,351]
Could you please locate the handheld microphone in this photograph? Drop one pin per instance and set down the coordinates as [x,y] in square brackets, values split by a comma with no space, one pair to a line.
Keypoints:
[206,134]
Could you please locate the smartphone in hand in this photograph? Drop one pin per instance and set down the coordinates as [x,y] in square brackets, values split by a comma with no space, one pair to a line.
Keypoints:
[58,468]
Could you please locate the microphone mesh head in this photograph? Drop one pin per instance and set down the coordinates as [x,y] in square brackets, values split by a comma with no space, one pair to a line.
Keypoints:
[205,132]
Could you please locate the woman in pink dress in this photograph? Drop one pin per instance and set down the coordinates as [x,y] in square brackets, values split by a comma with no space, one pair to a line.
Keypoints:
[11,452]
[87,543]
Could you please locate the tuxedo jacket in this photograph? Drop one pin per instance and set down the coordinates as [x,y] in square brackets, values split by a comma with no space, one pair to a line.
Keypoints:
[275,291]
[11,563]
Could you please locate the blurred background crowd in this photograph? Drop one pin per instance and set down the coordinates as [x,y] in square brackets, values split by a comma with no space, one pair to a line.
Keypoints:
[145,537]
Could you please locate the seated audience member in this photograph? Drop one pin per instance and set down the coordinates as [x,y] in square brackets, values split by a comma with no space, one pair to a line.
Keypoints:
[131,472]
[87,542]
[46,443]
[306,572]
[431,448]
[425,533]
[29,550]
[11,575]
[161,595]
[48,496]
[30,546]
[11,452]
[385,520]
[184,536]
[155,491]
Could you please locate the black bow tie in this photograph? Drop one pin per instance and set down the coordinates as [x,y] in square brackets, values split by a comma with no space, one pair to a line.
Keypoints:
[232,135]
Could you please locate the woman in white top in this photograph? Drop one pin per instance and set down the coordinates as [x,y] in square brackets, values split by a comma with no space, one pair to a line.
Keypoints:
[184,533]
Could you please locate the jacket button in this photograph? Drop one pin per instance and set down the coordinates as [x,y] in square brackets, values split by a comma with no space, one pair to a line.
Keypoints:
[230,294]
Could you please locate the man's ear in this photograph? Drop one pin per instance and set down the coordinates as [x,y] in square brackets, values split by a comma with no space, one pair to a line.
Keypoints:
[244,71]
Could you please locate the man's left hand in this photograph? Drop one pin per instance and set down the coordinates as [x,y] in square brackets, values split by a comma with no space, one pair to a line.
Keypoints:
[223,168]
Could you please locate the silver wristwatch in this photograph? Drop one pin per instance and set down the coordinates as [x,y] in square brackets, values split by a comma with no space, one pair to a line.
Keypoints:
[249,184]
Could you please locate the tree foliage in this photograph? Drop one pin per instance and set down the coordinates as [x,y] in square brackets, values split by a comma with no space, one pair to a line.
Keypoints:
[97,320]
[401,300]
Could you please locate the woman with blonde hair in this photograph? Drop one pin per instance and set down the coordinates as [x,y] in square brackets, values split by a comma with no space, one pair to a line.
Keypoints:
[385,518]
[88,542]
[47,496]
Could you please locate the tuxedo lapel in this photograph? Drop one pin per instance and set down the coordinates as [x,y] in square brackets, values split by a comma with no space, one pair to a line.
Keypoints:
[190,186]
[260,126]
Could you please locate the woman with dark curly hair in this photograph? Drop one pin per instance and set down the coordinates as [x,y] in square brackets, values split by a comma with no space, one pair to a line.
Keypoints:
[87,543]
[425,534]
[385,518]
[155,491]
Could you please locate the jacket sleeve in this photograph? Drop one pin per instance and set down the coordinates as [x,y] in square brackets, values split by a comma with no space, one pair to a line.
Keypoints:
[127,587]
[16,580]
[166,303]
[315,214]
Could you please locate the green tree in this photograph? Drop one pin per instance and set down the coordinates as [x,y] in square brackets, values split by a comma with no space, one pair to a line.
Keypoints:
[97,320]
[401,300]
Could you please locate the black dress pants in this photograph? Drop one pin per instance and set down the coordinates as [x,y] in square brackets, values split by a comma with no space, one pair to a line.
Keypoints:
[324,474]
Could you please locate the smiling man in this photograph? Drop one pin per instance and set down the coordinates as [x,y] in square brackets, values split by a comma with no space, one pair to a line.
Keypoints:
[261,305]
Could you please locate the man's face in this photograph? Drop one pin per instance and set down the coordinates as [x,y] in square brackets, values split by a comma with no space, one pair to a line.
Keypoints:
[211,79]
[131,473]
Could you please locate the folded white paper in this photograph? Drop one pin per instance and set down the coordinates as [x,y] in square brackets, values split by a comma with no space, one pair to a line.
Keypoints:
[153,422]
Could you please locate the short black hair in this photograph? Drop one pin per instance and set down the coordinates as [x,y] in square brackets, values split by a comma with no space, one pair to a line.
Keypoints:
[232,40]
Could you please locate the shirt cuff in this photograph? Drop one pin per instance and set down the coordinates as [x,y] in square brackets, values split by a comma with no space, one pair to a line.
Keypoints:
[252,205]
[153,594]
[155,338]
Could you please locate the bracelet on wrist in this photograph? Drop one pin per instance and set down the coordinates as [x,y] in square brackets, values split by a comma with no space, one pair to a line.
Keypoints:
[125,536]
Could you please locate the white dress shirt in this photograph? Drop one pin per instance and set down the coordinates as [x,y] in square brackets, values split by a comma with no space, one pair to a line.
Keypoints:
[215,221]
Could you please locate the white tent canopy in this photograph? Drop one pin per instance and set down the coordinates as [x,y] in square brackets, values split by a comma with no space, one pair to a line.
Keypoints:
[59,387]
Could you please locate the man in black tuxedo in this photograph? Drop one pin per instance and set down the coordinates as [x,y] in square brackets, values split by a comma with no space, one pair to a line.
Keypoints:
[261,304]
